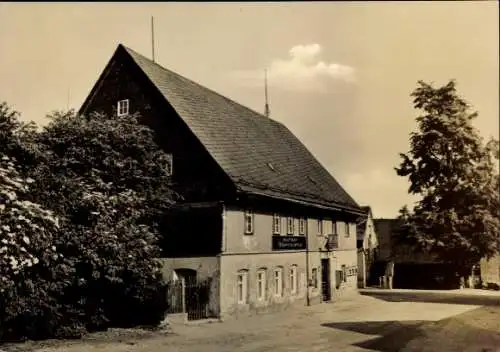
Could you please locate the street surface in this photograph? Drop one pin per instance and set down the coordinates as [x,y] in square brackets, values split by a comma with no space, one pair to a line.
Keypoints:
[376,320]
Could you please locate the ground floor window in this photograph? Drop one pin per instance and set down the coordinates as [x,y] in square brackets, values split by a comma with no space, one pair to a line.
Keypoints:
[242,286]
[314,277]
[261,284]
[293,279]
[278,282]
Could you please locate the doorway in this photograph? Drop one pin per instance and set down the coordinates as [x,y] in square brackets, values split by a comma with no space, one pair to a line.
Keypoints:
[325,280]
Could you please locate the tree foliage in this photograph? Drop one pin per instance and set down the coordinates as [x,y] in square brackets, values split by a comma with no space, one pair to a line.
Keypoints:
[455,172]
[79,247]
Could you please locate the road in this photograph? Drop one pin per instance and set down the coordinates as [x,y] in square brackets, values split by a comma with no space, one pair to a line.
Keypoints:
[402,321]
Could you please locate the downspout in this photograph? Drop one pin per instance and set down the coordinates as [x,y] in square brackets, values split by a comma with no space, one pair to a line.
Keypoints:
[308,301]
[223,249]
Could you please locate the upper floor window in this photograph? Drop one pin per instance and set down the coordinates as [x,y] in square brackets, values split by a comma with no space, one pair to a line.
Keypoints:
[334,227]
[290,226]
[320,226]
[276,224]
[302,226]
[347,229]
[123,107]
[169,165]
[242,286]
[249,222]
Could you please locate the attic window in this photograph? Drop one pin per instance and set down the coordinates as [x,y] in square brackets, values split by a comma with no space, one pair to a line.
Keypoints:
[123,107]
[271,166]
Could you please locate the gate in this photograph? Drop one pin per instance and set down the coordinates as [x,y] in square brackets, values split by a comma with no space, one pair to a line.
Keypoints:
[191,297]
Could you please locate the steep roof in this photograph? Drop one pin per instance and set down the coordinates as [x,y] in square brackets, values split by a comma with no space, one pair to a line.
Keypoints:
[259,154]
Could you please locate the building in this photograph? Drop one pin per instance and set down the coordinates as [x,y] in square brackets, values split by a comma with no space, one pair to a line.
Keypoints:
[391,249]
[261,219]
[490,272]
[413,268]
[367,244]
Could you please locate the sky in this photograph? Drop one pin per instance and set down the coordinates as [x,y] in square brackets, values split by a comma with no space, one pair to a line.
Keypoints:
[340,74]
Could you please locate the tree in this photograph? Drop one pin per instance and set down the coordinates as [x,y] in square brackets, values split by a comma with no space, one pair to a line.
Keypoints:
[27,235]
[455,173]
[111,185]
[17,138]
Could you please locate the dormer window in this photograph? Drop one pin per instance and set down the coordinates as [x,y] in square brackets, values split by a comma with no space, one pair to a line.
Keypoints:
[123,107]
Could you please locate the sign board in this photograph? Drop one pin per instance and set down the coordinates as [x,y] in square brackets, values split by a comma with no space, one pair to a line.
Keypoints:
[284,243]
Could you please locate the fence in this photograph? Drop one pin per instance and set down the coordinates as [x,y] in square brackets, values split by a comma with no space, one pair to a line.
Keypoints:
[189,297]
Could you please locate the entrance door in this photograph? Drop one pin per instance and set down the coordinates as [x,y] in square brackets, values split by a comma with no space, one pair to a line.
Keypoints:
[325,280]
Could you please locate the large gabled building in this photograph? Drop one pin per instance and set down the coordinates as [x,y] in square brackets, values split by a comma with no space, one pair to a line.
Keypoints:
[260,215]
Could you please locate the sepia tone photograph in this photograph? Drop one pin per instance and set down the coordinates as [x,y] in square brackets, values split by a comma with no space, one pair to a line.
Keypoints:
[249,176]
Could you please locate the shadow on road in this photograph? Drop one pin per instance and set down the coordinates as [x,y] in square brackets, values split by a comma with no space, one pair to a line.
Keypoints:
[434,297]
[475,330]
[393,335]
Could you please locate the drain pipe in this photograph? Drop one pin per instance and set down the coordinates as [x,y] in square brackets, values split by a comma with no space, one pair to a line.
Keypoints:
[308,301]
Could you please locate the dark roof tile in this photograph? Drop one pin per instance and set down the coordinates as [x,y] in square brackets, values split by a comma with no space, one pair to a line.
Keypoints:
[243,141]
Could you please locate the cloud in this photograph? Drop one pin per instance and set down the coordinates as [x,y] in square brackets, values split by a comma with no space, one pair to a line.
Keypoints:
[303,70]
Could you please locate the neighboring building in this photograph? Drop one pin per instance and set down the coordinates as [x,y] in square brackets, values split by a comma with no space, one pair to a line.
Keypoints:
[390,249]
[367,244]
[253,195]
[490,271]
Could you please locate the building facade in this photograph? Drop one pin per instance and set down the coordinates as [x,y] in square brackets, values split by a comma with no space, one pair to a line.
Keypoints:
[260,218]
[490,272]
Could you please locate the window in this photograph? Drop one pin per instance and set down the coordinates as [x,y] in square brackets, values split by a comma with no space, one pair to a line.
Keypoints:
[344,273]
[242,286]
[290,226]
[293,279]
[302,226]
[278,282]
[261,284]
[320,226]
[122,108]
[334,227]
[314,278]
[169,165]
[276,224]
[248,222]
[346,231]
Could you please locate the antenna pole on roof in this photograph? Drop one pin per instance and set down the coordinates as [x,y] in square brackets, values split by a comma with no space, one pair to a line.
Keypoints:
[153,38]
[67,100]
[266,106]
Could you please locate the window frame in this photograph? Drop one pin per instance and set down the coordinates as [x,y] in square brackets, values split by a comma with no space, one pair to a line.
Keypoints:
[290,225]
[243,274]
[347,229]
[294,280]
[123,110]
[344,273]
[314,277]
[276,224]
[278,282]
[320,227]
[261,284]
[334,227]
[302,226]
[248,215]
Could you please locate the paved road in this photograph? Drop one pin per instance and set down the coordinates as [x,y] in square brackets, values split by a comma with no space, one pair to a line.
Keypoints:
[359,323]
